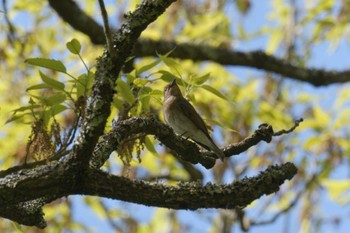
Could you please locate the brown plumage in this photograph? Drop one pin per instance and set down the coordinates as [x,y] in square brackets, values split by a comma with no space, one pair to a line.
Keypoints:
[185,120]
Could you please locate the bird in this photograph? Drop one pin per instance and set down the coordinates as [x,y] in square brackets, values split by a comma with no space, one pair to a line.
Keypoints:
[182,117]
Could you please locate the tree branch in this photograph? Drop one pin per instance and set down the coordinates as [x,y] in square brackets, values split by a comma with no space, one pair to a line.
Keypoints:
[70,12]
[60,179]
[255,59]
[189,195]
[107,31]
[184,149]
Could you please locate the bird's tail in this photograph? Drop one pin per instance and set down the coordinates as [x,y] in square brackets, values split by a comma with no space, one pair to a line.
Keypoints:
[218,152]
[209,144]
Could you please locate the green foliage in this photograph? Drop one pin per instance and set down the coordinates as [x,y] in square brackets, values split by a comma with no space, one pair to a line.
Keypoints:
[54,97]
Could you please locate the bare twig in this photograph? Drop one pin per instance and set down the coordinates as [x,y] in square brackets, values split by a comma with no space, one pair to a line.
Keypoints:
[107,30]
[283,131]
[12,31]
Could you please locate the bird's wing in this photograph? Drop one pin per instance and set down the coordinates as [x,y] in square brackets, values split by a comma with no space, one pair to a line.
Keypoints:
[192,114]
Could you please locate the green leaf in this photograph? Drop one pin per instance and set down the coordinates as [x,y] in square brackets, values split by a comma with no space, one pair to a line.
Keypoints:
[145,91]
[38,86]
[214,91]
[56,109]
[147,67]
[54,84]
[81,84]
[117,103]
[167,76]
[321,116]
[311,143]
[25,108]
[54,99]
[74,46]
[89,82]
[144,100]
[202,79]
[337,189]
[125,91]
[149,145]
[47,63]
[172,64]
[275,40]
[167,54]
[31,101]
[157,93]
[139,82]
[15,117]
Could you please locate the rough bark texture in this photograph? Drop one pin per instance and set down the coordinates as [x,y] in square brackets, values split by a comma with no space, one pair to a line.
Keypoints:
[184,149]
[52,181]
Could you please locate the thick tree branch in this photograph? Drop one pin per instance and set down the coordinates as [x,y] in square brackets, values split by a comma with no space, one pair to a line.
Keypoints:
[31,215]
[256,59]
[60,179]
[190,195]
[107,71]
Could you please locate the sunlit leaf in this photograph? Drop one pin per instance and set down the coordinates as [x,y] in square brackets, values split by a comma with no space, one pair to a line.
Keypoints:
[312,142]
[38,86]
[167,54]
[147,67]
[275,40]
[167,76]
[139,82]
[214,91]
[56,109]
[337,189]
[54,99]
[172,64]
[81,84]
[54,84]
[150,145]
[118,103]
[202,79]
[74,46]
[15,117]
[125,91]
[321,116]
[25,108]
[47,63]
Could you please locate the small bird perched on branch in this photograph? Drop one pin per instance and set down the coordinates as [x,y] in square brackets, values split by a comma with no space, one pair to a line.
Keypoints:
[183,118]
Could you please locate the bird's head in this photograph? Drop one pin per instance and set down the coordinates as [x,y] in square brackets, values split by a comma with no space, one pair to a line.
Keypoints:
[172,89]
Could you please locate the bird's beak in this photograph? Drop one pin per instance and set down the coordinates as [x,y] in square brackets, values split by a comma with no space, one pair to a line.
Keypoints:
[173,82]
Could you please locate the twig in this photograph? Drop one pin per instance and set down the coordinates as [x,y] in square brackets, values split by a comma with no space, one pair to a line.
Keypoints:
[283,131]
[12,31]
[106,29]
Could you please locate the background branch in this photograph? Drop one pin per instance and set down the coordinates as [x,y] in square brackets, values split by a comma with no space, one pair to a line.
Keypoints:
[79,20]
[107,31]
